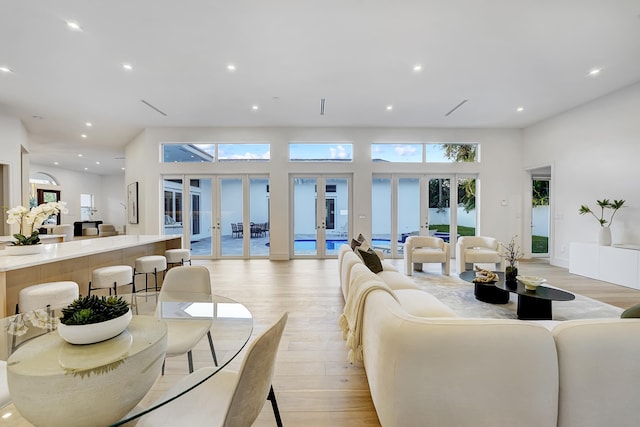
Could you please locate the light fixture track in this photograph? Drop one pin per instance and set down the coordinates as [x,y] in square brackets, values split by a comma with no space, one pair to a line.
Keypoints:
[322,106]
[456,107]
[153,107]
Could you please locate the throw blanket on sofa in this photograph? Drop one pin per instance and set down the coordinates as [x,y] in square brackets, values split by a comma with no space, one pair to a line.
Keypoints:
[363,282]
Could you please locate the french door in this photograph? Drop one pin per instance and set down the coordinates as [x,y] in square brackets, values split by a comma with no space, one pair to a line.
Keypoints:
[403,206]
[320,211]
[223,217]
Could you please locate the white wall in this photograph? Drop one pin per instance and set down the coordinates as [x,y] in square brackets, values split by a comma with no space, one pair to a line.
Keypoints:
[595,150]
[13,137]
[108,191]
[500,171]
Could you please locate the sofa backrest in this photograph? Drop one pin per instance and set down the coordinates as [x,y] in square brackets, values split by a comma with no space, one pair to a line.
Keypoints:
[348,260]
[458,372]
[599,362]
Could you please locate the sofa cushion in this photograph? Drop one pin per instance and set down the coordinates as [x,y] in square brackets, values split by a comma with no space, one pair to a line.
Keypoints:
[371,260]
[396,280]
[422,304]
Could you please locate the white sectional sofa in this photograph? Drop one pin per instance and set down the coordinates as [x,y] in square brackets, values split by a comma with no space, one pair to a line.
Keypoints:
[428,367]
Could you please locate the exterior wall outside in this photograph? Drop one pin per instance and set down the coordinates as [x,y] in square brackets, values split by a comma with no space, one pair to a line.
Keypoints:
[540,221]
[594,151]
[499,172]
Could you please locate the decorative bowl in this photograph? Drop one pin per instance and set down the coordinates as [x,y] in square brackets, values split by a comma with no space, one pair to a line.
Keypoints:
[531,282]
[94,332]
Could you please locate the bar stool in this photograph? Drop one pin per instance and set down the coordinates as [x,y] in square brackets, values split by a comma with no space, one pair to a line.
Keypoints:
[177,256]
[52,294]
[111,277]
[150,264]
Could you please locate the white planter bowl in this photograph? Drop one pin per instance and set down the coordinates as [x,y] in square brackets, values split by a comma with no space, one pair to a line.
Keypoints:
[23,249]
[94,332]
[531,283]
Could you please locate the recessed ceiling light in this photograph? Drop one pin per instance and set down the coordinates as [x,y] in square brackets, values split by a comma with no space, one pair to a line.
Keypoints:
[389,107]
[122,168]
[97,163]
[86,169]
[84,135]
[417,67]
[6,70]
[88,124]
[79,155]
[519,109]
[231,67]
[127,67]
[72,25]
[56,163]
[255,107]
[595,71]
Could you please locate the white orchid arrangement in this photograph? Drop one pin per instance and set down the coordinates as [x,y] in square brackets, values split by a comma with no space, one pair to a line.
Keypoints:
[30,220]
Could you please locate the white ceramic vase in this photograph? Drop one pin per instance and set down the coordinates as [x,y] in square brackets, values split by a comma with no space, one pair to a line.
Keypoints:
[23,249]
[94,332]
[604,236]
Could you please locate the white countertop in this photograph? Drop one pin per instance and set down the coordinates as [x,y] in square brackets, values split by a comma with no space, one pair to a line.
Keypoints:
[53,252]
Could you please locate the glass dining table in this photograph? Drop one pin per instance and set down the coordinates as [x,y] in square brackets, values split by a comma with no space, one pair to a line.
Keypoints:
[113,382]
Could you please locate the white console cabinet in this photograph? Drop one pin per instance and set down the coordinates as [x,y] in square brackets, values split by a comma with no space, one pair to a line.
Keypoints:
[614,264]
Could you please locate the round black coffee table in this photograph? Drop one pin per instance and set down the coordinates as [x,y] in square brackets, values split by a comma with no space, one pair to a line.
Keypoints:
[487,292]
[535,305]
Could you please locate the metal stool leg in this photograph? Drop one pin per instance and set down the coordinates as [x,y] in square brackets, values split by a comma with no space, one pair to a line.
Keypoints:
[213,351]
[190,358]
[272,397]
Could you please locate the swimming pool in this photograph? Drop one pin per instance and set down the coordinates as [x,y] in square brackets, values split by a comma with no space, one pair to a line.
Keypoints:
[331,245]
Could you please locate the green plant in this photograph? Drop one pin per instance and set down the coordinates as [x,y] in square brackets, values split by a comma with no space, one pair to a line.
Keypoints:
[93,309]
[511,252]
[29,220]
[604,204]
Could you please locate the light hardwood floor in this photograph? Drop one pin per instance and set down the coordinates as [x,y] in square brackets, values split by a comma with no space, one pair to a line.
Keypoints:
[315,385]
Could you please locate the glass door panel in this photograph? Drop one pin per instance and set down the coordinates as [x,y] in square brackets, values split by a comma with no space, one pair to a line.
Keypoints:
[408,210]
[440,208]
[199,232]
[173,193]
[232,212]
[381,199]
[305,224]
[466,219]
[259,214]
[336,214]
[540,217]
[320,215]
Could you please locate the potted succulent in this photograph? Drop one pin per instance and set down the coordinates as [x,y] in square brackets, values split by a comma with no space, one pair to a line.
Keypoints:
[604,237]
[511,253]
[92,319]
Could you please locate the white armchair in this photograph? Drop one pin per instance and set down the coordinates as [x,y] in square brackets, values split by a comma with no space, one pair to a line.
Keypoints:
[424,249]
[478,249]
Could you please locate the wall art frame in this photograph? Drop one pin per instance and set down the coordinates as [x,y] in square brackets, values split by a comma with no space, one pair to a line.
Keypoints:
[132,202]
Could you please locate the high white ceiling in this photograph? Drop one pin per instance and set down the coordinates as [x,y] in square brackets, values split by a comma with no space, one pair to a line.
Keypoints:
[289,54]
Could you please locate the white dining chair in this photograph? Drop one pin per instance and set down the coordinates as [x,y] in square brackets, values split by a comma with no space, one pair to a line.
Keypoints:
[184,335]
[228,398]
